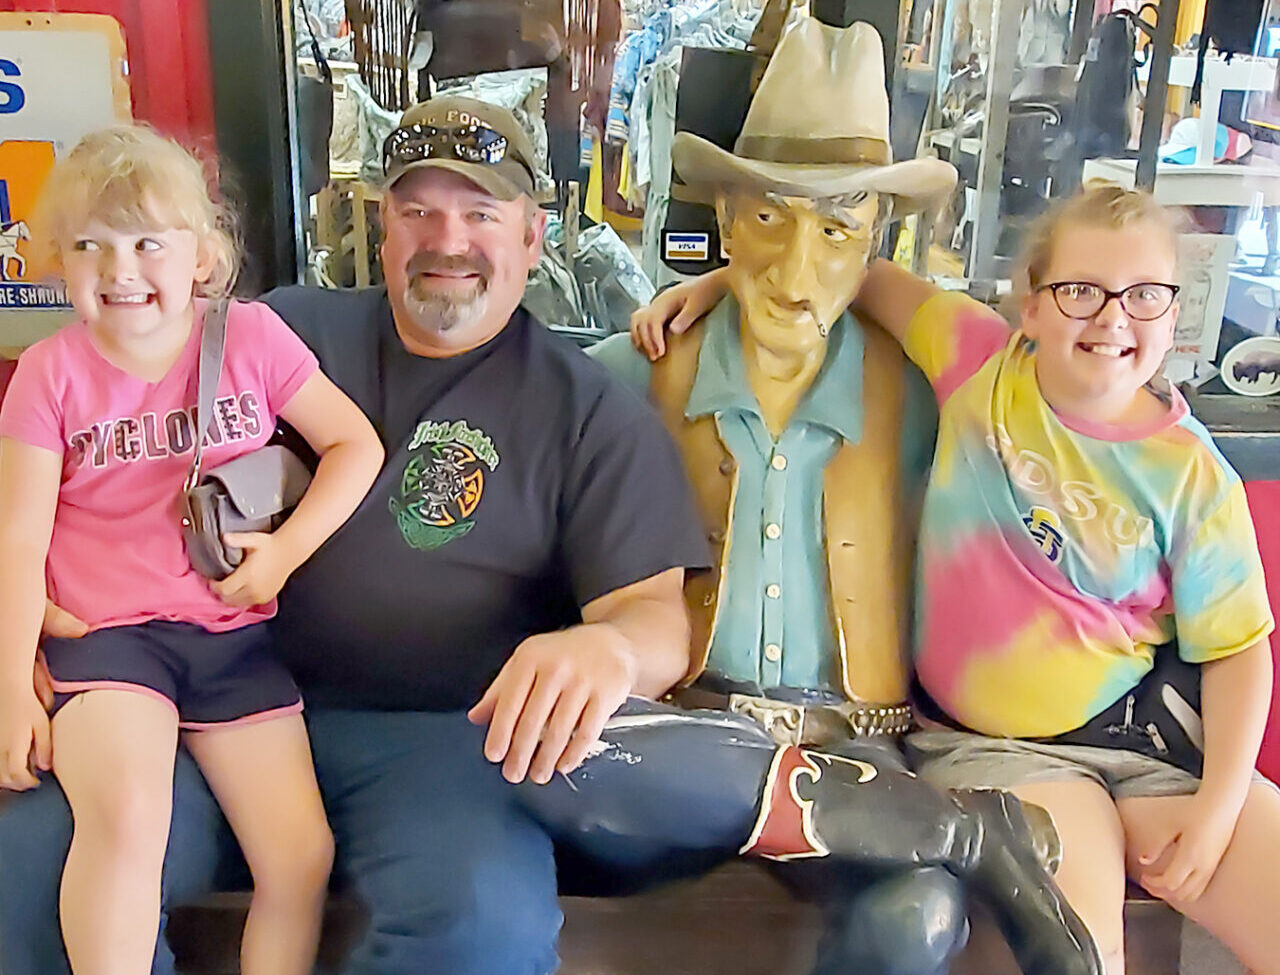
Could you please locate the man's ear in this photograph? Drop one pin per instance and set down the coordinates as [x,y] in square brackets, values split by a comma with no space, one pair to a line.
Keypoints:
[382,222]
[724,223]
[536,229]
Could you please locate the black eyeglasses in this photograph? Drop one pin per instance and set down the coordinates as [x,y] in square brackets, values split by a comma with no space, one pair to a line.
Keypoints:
[470,143]
[1143,302]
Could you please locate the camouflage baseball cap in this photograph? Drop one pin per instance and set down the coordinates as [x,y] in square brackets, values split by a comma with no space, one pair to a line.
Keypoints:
[474,139]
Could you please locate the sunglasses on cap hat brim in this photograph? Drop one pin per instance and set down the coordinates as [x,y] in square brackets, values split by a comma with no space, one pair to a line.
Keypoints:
[475,144]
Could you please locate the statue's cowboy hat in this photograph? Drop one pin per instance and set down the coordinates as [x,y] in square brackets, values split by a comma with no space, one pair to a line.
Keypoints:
[818,126]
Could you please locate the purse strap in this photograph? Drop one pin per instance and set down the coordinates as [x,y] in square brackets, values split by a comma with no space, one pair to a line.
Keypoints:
[213,337]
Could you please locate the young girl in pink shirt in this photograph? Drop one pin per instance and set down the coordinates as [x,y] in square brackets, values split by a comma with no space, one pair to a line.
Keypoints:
[96,439]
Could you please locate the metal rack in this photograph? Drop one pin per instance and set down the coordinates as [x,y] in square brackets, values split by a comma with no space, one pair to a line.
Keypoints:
[1002,76]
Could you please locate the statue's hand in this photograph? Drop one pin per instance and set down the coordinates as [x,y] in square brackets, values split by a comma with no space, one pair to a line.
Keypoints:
[676,309]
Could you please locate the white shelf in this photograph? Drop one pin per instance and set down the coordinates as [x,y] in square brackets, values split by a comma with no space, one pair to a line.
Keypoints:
[1213,185]
[970,145]
[1241,73]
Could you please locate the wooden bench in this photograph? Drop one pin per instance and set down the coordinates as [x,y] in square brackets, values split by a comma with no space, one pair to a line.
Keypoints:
[737,920]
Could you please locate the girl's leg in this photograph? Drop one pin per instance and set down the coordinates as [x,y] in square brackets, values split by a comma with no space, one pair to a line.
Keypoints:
[264,780]
[1092,874]
[113,755]
[1239,905]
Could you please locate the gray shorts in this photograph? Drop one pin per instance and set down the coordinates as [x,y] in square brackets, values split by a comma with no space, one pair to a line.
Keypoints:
[964,760]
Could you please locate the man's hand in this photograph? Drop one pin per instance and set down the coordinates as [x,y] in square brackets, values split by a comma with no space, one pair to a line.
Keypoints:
[550,702]
[1183,851]
[25,741]
[262,574]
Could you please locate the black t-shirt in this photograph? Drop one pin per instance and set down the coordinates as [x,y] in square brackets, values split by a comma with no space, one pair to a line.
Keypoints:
[521,482]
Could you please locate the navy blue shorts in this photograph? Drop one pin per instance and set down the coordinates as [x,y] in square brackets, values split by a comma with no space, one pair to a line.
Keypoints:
[210,679]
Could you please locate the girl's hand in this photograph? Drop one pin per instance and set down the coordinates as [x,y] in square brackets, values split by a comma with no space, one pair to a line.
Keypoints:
[58,622]
[676,309]
[25,741]
[1184,851]
[262,574]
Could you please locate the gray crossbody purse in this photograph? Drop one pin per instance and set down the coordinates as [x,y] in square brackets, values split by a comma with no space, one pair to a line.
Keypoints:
[253,493]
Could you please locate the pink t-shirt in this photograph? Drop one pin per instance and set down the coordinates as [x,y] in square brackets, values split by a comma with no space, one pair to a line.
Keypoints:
[116,556]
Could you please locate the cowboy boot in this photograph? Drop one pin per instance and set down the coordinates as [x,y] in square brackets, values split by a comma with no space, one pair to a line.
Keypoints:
[816,804]
[1045,841]
[999,851]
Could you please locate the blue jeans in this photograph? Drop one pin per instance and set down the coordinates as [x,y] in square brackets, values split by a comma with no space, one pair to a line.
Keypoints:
[455,878]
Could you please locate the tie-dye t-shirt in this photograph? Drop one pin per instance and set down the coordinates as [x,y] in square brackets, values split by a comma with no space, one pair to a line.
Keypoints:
[1055,553]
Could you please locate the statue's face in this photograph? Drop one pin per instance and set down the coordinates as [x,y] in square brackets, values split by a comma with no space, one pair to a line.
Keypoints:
[795,263]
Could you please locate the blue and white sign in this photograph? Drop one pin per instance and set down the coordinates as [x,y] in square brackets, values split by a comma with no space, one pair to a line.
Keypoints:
[61,76]
[686,246]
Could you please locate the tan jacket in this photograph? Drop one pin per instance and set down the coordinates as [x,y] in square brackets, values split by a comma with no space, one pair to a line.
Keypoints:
[869,535]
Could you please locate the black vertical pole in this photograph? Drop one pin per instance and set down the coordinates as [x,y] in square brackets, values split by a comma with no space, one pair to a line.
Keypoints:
[1157,94]
[251,123]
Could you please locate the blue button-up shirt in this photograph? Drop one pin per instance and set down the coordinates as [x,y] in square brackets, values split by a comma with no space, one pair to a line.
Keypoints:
[774,624]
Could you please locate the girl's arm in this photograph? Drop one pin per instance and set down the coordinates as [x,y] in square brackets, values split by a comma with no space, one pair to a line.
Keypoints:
[350,458]
[29,481]
[889,296]
[677,309]
[1235,695]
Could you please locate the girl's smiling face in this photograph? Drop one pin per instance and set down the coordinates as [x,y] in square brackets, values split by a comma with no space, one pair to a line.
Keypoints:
[130,284]
[1096,367]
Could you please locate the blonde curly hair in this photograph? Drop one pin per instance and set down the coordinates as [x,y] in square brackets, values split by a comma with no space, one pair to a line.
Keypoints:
[1097,205]
[131,178]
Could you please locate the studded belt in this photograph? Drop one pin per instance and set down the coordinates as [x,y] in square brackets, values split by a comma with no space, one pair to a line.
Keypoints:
[799,724]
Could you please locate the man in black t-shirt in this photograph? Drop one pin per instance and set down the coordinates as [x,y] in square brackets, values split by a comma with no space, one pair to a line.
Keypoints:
[521,555]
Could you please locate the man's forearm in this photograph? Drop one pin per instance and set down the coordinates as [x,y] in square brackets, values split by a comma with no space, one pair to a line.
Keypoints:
[654,634]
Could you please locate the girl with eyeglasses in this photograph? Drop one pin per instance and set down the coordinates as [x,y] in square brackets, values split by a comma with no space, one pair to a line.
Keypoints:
[1081,532]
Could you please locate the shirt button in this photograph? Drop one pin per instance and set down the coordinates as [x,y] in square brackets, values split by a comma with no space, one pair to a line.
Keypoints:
[773,591]
[779,462]
[773,653]
[772,530]
[726,467]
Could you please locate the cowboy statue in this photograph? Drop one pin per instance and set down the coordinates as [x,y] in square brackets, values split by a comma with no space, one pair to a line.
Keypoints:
[783,742]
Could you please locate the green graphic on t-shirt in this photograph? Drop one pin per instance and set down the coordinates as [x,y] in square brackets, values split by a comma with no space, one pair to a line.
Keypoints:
[442,483]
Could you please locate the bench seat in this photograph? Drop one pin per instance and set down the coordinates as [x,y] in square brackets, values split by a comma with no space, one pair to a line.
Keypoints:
[737,920]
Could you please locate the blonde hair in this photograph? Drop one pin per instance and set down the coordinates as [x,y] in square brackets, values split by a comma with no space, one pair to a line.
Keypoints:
[1099,204]
[130,177]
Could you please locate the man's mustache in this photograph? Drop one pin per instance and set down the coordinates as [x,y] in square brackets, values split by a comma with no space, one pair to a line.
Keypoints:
[431,262]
